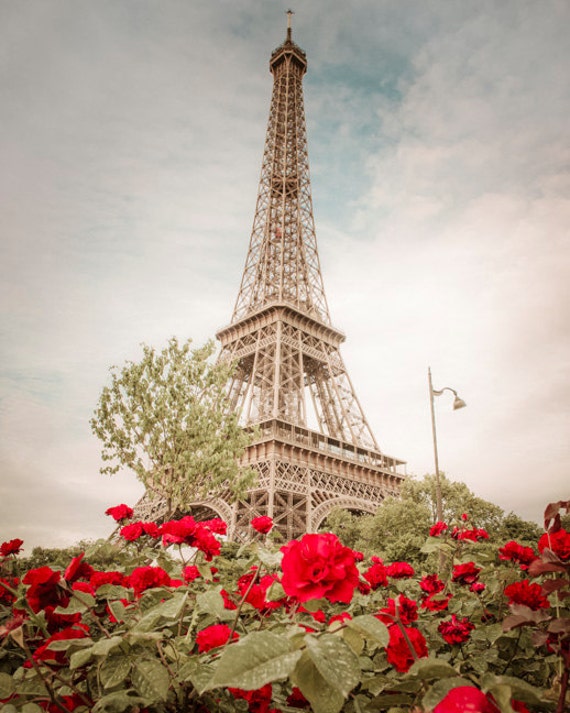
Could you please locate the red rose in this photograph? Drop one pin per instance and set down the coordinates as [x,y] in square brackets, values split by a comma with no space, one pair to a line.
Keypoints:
[406,611]
[214,636]
[431,584]
[319,566]
[137,529]
[187,531]
[120,512]
[376,575]
[474,535]
[12,547]
[190,573]
[44,589]
[98,579]
[527,593]
[456,631]
[77,569]
[44,653]
[477,587]
[263,524]
[465,699]
[433,603]
[143,578]
[466,573]
[258,700]
[437,529]
[514,552]
[297,700]
[558,542]
[398,650]
[6,595]
[216,525]
[400,570]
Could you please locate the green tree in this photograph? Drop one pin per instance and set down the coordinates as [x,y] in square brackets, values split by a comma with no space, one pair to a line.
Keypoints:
[168,419]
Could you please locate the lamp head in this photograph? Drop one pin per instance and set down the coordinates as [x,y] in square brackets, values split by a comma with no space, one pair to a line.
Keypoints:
[458,403]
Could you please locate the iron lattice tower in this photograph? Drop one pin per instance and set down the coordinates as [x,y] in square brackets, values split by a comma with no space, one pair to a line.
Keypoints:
[315,450]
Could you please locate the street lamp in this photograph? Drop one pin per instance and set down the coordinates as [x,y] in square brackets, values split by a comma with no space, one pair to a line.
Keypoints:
[457,403]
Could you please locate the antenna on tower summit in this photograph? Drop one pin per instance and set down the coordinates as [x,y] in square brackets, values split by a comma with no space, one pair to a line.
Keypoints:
[289,14]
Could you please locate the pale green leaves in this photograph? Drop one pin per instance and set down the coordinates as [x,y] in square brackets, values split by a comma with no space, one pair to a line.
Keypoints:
[168,419]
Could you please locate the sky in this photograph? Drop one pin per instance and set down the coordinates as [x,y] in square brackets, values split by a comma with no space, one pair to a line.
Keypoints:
[131,141]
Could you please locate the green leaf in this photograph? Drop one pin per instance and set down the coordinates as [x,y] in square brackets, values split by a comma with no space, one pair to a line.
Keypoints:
[336,662]
[79,602]
[258,658]
[197,672]
[6,686]
[440,689]
[114,671]
[117,702]
[268,558]
[430,668]
[104,646]
[521,690]
[371,628]
[322,697]
[150,678]
[212,602]
[28,708]
[80,658]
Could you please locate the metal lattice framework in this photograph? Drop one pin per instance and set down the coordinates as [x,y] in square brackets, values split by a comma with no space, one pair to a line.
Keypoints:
[314,449]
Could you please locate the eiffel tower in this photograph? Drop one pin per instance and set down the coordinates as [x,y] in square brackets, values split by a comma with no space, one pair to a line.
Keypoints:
[315,450]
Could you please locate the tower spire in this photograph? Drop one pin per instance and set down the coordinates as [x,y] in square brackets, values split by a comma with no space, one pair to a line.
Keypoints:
[316,448]
[289,14]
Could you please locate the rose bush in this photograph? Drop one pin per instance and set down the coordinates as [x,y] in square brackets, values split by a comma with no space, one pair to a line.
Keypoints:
[186,622]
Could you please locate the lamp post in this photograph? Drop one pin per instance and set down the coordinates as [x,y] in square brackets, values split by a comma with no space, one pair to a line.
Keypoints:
[457,404]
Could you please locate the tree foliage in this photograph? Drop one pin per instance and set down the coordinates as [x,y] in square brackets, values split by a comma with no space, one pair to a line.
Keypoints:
[167,418]
[397,530]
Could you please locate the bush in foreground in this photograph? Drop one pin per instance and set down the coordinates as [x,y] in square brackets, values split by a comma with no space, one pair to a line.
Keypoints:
[184,622]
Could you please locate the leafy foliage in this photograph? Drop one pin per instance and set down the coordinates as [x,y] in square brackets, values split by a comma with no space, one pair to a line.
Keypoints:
[185,622]
[167,418]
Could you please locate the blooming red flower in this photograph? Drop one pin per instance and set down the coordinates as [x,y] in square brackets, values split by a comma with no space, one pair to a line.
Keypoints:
[263,524]
[398,650]
[433,603]
[358,556]
[143,578]
[44,589]
[528,593]
[319,566]
[297,700]
[256,594]
[477,587]
[376,576]
[6,596]
[343,616]
[44,653]
[456,631]
[187,531]
[558,542]
[259,700]
[465,516]
[466,573]
[438,529]
[120,512]
[190,573]
[137,529]
[98,579]
[514,552]
[466,699]
[215,525]
[431,584]
[407,611]
[78,569]
[12,547]
[476,534]
[214,636]
[400,570]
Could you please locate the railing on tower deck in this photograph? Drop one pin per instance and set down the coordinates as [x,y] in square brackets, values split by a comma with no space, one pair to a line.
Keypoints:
[297,435]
